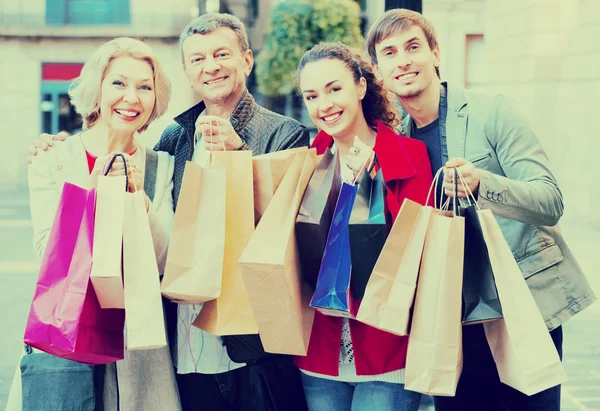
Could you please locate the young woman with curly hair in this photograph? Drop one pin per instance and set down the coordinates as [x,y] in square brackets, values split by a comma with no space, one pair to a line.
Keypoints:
[350,365]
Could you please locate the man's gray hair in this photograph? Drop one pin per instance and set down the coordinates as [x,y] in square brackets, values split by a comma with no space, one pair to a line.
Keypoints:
[209,22]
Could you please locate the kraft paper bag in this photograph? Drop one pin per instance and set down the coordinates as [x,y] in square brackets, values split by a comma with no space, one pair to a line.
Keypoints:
[521,345]
[271,270]
[194,268]
[434,357]
[390,292]
[143,302]
[231,313]
[268,170]
[107,267]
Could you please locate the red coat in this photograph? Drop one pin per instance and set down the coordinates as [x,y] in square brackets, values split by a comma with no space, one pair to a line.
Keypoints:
[407,172]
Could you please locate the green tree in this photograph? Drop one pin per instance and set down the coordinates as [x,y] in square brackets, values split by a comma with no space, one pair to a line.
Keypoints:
[294,27]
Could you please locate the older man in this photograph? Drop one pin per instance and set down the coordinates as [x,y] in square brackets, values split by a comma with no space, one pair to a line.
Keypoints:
[216,60]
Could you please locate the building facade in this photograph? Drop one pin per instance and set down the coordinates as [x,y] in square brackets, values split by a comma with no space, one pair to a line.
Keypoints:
[540,52]
[44,43]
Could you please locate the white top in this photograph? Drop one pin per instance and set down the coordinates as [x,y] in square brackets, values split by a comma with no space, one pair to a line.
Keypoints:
[199,351]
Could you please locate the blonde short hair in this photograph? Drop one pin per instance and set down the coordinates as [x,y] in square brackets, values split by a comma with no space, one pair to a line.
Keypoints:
[85,90]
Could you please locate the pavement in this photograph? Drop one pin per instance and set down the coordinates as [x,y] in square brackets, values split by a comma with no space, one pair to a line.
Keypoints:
[18,272]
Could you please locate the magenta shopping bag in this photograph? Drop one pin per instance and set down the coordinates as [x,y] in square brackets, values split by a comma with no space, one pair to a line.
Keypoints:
[65,318]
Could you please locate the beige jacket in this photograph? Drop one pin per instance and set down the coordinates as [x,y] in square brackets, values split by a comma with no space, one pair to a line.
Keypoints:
[145,379]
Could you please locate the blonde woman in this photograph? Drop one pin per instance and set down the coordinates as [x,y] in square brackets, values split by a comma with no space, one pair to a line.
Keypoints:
[121,90]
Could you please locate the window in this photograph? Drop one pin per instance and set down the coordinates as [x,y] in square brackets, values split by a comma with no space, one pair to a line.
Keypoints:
[475,69]
[58,114]
[87,12]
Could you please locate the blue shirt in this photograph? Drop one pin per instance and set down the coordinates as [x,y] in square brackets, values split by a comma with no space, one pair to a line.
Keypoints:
[430,135]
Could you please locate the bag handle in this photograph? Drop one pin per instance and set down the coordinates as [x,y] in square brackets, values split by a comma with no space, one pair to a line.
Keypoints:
[470,195]
[109,163]
[446,205]
[201,133]
[432,188]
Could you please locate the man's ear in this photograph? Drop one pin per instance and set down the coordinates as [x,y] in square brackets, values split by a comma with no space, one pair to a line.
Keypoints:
[249,62]
[376,71]
[436,55]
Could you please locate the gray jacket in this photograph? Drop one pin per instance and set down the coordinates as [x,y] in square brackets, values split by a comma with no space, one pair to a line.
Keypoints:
[519,188]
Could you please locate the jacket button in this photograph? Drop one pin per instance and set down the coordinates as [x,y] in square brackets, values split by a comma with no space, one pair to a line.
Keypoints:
[489,195]
[59,166]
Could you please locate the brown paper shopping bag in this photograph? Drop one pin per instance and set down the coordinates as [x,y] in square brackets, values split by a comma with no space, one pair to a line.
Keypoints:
[193,272]
[268,171]
[107,270]
[144,318]
[434,357]
[270,266]
[230,313]
[521,345]
[390,292]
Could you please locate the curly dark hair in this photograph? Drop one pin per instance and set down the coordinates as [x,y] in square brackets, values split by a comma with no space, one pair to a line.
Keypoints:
[376,105]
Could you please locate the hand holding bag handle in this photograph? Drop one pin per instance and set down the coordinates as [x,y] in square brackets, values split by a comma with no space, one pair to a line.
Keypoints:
[109,163]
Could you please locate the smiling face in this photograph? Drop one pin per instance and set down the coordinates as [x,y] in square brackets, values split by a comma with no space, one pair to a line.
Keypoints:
[215,66]
[127,95]
[332,96]
[406,64]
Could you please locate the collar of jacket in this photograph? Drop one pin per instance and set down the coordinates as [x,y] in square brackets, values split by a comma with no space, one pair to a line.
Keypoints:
[243,111]
[394,161]
[450,99]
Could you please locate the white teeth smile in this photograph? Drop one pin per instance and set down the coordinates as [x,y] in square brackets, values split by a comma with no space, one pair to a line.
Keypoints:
[215,81]
[331,118]
[127,113]
[406,76]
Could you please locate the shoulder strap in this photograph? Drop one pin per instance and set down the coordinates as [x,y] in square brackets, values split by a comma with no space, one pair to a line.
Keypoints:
[150,172]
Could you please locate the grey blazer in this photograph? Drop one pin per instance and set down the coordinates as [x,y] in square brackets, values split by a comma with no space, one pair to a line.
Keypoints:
[518,186]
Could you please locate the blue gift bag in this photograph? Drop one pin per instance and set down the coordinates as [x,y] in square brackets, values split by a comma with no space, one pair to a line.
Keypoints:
[356,237]
[332,294]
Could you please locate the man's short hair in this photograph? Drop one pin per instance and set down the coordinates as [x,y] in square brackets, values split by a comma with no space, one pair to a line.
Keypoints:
[395,21]
[210,22]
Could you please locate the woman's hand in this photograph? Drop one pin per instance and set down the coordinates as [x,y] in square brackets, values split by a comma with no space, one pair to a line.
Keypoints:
[360,156]
[134,173]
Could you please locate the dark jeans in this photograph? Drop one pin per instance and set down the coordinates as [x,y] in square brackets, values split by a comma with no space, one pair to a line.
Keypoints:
[480,388]
[228,391]
[272,384]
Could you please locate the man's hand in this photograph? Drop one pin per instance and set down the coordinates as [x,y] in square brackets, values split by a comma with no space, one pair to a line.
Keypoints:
[360,157]
[470,175]
[44,142]
[218,134]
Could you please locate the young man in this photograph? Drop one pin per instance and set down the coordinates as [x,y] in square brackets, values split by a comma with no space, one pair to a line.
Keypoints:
[216,60]
[504,164]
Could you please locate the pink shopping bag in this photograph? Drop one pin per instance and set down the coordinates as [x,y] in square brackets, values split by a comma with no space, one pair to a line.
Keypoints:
[65,318]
